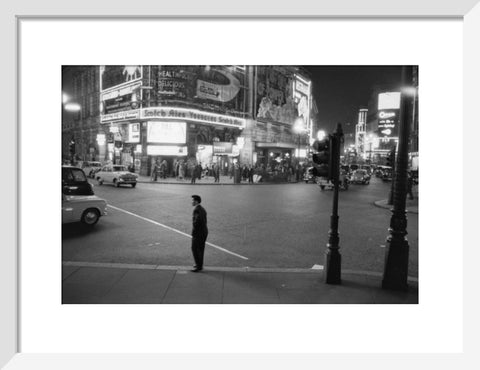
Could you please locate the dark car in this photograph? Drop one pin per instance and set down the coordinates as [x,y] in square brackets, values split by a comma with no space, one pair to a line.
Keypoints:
[387,175]
[74,182]
[360,177]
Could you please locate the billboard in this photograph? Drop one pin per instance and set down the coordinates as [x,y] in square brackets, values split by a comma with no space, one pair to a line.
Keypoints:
[114,76]
[281,95]
[217,88]
[166,132]
[133,133]
[388,114]
[222,147]
[120,88]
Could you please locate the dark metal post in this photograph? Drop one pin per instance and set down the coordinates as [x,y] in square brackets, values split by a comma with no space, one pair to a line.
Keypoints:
[397,249]
[72,148]
[392,186]
[333,259]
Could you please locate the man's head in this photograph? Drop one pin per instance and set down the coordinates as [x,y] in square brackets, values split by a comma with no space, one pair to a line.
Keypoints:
[196,200]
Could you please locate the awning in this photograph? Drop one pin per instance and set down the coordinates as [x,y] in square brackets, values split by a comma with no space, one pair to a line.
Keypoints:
[276,145]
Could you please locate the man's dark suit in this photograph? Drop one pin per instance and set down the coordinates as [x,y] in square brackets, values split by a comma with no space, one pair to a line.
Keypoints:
[199,234]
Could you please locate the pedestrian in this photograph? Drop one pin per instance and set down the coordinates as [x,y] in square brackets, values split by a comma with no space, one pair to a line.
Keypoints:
[154,171]
[250,174]
[199,170]
[199,232]
[244,172]
[216,172]
[181,170]
[163,169]
[193,170]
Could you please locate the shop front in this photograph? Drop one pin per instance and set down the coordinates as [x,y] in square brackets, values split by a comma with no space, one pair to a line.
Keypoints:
[171,135]
[271,155]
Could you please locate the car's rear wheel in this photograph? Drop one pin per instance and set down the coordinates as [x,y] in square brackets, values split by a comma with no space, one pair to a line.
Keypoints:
[90,217]
[133,185]
[100,181]
[322,187]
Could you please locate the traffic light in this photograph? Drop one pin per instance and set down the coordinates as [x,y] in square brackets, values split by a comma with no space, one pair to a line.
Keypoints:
[323,157]
[391,158]
[72,146]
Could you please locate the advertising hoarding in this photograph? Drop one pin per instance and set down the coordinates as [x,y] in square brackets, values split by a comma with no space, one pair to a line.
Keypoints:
[219,88]
[281,95]
[388,122]
[388,114]
[133,133]
[389,100]
[114,76]
[120,116]
[121,98]
[221,147]
[166,150]
[172,113]
[167,132]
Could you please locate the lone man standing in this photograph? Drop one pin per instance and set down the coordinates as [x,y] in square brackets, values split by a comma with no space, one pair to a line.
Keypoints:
[199,232]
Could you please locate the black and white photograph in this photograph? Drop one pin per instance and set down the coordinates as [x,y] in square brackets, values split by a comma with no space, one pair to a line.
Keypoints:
[240,184]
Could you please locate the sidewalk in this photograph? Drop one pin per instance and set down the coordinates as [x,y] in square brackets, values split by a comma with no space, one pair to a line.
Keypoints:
[208,180]
[122,284]
[411,205]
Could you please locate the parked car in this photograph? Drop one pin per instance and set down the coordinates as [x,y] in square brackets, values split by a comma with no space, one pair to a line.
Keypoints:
[91,167]
[354,167]
[387,175]
[380,170]
[74,181]
[86,209]
[367,167]
[360,177]
[116,175]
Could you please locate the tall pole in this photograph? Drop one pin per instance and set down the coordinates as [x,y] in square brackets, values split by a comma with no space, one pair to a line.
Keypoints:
[397,249]
[392,185]
[333,259]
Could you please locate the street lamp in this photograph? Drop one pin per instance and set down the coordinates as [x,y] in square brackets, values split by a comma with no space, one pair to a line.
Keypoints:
[395,272]
[321,135]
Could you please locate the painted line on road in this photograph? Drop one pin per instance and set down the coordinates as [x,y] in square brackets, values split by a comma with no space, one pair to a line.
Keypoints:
[177,231]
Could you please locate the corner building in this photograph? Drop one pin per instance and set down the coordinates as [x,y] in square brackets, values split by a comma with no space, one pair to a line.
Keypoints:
[205,114]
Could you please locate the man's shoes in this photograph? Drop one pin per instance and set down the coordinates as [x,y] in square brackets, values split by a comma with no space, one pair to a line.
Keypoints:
[196,269]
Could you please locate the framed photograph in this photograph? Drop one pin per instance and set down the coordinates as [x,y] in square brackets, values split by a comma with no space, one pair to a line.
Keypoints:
[225,87]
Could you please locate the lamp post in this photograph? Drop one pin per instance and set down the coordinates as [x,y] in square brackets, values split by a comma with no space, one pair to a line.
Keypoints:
[397,249]
[333,259]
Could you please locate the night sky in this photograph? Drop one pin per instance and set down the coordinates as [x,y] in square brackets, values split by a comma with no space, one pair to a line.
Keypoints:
[340,91]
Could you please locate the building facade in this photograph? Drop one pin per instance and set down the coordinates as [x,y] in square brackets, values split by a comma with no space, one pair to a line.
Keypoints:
[136,115]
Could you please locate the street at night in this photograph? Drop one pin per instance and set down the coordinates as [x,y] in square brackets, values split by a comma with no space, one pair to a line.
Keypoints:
[301,170]
[274,226]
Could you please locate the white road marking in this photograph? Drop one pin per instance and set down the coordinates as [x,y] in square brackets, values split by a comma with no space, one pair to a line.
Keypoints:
[317,267]
[177,231]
